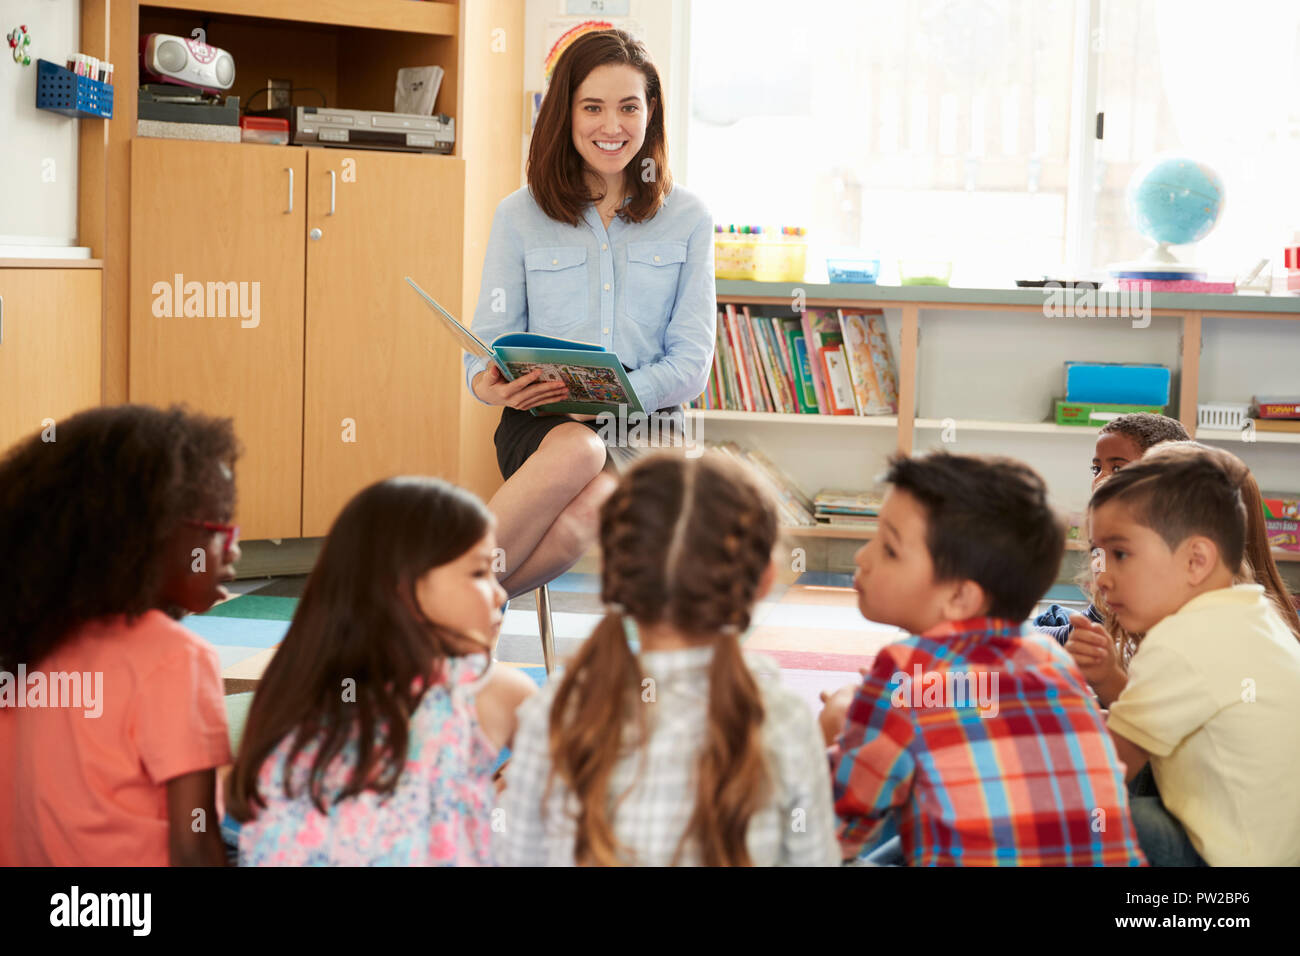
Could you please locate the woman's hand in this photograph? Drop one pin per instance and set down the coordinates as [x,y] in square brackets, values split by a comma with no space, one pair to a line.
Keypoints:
[1094,651]
[523,393]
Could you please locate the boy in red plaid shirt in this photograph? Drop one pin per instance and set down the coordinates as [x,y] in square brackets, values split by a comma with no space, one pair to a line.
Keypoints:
[979,737]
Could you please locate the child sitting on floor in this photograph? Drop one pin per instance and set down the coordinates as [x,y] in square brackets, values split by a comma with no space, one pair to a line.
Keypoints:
[1121,441]
[1212,695]
[664,744]
[374,732]
[116,524]
[981,740]
[1103,649]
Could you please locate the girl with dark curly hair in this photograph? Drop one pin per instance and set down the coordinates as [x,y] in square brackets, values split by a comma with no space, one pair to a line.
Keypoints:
[115,522]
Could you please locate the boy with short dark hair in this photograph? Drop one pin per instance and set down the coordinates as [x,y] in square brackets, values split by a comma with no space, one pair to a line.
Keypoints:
[1211,699]
[1120,441]
[977,736]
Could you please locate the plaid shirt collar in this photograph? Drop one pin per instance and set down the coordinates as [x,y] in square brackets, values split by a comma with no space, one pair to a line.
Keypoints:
[975,627]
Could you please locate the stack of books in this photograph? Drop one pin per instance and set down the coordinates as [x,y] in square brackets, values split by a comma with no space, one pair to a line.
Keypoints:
[856,509]
[1282,519]
[794,508]
[821,362]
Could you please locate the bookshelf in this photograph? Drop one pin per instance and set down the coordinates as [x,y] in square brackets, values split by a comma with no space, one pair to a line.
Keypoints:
[985,364]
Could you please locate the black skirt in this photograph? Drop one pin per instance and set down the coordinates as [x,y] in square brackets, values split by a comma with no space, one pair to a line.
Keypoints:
[519,434]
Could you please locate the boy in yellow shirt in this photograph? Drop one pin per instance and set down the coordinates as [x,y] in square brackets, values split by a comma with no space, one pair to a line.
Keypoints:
[1211,699]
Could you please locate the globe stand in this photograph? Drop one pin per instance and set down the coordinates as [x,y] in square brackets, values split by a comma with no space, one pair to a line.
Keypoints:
[1158,263]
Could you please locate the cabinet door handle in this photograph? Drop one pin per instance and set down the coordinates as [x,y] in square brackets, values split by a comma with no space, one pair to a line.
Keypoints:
[289,170]
[333,183]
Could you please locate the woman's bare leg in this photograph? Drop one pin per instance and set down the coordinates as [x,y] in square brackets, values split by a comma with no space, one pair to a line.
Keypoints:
[567,539]
[529,503]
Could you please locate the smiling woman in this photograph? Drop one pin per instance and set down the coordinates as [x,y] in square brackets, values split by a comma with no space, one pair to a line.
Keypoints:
[602,247]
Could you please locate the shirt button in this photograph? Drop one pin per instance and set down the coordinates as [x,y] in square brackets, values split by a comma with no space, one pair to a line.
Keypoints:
[606,286]
[606,331]
[555,262]
[604,246]
[656,258]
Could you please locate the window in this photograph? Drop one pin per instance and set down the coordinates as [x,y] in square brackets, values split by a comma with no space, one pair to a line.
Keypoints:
[951,129]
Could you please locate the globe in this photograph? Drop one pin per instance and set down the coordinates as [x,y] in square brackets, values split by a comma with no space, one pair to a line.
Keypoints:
[1174,200]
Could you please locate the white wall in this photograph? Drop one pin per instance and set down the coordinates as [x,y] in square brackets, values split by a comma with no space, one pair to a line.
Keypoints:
[37,144]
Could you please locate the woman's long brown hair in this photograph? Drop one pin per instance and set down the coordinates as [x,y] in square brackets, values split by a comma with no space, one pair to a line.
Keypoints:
[555,169]
[684,542]
[359,621]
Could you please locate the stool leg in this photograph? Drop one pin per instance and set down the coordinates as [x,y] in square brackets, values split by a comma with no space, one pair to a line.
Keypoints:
[545,627]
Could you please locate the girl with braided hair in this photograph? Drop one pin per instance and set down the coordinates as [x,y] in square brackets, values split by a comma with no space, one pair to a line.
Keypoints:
[663,743]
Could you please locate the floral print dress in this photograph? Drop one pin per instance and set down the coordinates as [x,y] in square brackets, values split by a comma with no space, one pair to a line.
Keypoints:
[439,814]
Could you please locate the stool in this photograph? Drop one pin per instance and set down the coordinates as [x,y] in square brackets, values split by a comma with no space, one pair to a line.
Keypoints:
[545,626]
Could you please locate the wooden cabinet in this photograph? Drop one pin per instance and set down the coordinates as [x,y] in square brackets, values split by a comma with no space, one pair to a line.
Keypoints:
[382,376]
[333,369]
[216,305]
[50,322]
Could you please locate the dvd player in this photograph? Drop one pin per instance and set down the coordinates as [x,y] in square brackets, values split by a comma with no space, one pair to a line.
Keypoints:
[366,129]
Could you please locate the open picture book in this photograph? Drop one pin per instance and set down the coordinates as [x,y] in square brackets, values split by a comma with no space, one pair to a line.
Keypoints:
[596,378]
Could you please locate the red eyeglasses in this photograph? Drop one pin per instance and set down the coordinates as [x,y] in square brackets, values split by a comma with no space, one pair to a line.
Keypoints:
[230,533]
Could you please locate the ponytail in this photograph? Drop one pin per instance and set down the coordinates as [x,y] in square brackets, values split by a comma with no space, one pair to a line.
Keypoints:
[733,779]
[1260,556]
[595,701]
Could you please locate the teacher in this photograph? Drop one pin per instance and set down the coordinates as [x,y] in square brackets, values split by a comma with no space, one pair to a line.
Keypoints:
[600,247]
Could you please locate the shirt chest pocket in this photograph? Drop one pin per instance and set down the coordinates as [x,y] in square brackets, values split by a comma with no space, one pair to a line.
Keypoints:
[557,288]
[653,269]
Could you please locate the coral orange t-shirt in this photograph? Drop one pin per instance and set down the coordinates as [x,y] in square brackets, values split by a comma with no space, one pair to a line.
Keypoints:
[85,771]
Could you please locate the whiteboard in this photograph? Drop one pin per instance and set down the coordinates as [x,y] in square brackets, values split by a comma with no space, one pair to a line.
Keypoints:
[38,149]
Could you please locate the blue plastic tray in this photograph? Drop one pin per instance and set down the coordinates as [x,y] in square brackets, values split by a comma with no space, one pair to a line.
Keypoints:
[62,91]
[1116,383]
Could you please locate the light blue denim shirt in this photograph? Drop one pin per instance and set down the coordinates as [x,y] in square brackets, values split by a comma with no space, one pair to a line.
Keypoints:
[643,290]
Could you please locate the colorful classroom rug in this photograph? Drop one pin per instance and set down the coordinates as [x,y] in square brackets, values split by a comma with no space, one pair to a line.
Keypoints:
[810,627]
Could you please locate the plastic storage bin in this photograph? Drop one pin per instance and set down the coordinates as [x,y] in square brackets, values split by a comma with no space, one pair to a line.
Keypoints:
[924,271]
[735,256]
[62,91]
[1116,383]
[1222,414]
[864,271]
[781,258]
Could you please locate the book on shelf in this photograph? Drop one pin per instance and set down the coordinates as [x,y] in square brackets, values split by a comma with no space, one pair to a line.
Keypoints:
[865,522]
[596,378]
[757,355]
[870,362]
[793,506]
[804,389]
[1276,425]
[743,374]
[804,364]
[839,501]
[816,323]
[839,386]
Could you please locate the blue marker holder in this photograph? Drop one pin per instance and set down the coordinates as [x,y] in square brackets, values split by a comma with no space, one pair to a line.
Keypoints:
[62,91]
